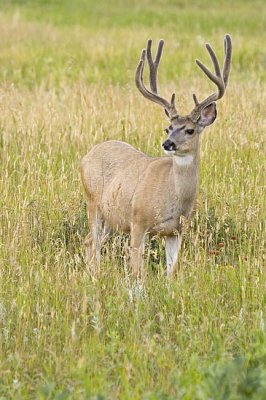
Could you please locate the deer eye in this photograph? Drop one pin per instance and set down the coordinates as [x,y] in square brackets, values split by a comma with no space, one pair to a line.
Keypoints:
[189,131]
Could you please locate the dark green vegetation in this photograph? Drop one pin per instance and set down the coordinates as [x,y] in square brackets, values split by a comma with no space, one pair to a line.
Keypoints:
[67,82]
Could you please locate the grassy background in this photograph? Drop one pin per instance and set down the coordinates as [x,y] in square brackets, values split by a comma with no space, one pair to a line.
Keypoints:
[67,82]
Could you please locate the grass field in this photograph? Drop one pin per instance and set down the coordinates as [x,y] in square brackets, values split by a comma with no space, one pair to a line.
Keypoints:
[67,83]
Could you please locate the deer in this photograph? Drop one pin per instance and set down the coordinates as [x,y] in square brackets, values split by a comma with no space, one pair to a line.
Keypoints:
[131,192]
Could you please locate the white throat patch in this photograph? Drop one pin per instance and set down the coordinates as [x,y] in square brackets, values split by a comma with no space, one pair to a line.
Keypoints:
[183,161]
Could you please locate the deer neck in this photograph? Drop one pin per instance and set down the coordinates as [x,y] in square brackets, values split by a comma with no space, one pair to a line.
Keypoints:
[186,174]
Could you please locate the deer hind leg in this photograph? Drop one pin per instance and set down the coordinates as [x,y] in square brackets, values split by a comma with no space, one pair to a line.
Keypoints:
[93,239]
[172,246]
[138,234]
[106,232]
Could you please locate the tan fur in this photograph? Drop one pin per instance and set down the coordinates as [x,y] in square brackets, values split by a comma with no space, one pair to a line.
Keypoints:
[132,192]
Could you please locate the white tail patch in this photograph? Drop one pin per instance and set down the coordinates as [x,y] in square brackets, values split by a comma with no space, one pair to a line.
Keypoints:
[183,160]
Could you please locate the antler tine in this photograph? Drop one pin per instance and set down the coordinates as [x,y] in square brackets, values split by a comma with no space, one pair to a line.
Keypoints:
[220,79]
[217,78]
[214,60]
[152,95]
[153,65]
[195,100]
[227,58]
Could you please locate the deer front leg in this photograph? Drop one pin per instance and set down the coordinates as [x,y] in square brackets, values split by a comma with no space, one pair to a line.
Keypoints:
[172,246]
[137,245]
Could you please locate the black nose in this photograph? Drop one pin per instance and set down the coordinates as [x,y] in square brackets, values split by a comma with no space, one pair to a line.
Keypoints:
[169,145]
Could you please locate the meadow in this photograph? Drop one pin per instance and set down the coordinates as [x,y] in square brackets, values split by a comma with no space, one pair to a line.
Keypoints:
[67,83]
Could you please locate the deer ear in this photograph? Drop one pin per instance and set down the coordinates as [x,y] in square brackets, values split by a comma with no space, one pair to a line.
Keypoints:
[208,115]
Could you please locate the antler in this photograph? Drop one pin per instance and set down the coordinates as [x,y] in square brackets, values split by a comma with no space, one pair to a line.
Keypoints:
[220,79]
[153,67]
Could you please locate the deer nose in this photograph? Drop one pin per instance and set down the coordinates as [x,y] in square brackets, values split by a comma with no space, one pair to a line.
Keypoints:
[168,145]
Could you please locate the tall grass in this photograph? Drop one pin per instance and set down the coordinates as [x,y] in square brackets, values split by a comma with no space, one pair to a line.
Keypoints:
[67,83]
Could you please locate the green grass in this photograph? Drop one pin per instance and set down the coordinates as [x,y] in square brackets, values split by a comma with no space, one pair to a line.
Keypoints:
[67,82]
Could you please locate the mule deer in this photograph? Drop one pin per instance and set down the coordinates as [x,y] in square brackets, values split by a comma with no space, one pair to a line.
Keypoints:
[129,191]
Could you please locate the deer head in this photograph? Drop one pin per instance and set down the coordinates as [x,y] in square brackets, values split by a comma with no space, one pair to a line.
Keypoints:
[183,131]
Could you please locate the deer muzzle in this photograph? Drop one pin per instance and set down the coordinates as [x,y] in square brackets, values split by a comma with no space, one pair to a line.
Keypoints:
[168,145]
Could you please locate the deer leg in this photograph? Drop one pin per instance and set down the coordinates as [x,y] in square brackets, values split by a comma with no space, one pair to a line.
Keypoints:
[93,239]
[106,232]
[137,251]
[172,246]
